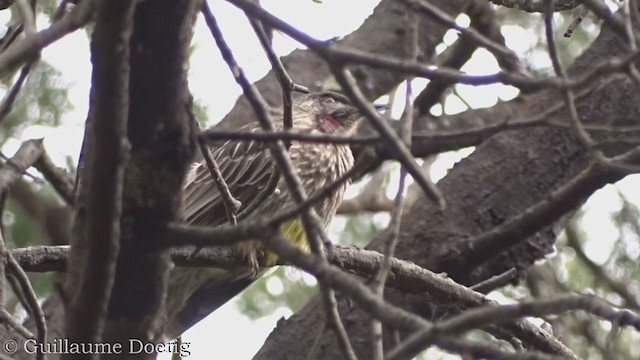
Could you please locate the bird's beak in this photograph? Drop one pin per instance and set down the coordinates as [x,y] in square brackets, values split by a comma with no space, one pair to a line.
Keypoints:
[381,107]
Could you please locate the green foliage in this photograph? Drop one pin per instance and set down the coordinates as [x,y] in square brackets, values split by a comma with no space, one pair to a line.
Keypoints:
[42,101]
[568,48]
[19,229]
[47,7]
[567,272]
[360,229]
[258,301]
[200,111]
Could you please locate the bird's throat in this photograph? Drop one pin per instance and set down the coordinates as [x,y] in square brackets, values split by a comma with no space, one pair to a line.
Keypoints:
[330,123]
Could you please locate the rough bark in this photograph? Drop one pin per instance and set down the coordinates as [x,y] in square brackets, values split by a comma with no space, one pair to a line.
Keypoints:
[384,32]
[162,147]
[506,175]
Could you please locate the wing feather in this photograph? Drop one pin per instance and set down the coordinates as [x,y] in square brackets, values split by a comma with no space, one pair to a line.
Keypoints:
[246,168]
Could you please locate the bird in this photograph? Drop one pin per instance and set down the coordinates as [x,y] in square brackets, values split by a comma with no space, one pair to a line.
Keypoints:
[247,168]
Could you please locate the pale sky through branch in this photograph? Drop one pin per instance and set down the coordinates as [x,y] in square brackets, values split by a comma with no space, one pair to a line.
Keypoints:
[227,334]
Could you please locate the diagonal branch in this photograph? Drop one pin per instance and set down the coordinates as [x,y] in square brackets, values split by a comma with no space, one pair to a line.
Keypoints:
[519,227]
[406,277]
[393,140]
[315,232]
[28,153]
[28,48]
[59,178]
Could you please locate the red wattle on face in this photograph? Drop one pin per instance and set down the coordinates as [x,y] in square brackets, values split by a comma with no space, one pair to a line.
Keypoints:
[330,122]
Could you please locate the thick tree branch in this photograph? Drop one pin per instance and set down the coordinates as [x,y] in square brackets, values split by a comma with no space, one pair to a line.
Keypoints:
[382,33]
[59,178]
[28,153]
[506,175]
[162,141]
[316,234]
[100,232]
[404,276]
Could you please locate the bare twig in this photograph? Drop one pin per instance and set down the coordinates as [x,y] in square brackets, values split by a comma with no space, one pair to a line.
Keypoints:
[344,55]
[286,83]
[32,305]
[403,154]
[578,14]
[482,316]
[24,292]
[212,135]
[474,350]
[396,214]
[407,277]
[311,355]
[9,320]
[27,49]
[231,204]
[28,153]
[484,20]
[498,50]
[599,8]
[59,13]
[370,198]
[569,97]
[5,317]
[385,267]
[314,229]
[559,202]
[537,6]
[390,315]
[600,275]
[26,13]
[12,95]
[495,282]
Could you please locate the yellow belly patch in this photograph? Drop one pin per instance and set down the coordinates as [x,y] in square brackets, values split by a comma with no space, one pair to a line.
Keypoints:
[292,231]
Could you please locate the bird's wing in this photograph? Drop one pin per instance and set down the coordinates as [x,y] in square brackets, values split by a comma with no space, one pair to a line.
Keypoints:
[251,175]
[248,169]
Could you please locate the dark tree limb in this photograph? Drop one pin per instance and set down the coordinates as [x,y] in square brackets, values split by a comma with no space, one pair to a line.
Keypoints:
[28,153]
[404,276]
[99,235]
[382,33]
[506,175]
[162,138]
[315,233]
[59,178]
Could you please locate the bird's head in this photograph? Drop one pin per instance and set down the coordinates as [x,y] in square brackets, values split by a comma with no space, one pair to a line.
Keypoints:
[332,112]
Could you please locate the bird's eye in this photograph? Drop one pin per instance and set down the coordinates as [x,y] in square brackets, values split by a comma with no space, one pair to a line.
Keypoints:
[328,100]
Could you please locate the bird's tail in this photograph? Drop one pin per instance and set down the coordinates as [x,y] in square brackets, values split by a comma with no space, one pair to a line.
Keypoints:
[205,290]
